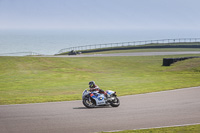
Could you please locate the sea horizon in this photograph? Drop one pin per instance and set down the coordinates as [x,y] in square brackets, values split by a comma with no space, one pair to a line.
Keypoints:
[50,42]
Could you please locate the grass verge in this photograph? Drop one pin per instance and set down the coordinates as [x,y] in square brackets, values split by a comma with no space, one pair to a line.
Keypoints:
[179,129]
[40,79]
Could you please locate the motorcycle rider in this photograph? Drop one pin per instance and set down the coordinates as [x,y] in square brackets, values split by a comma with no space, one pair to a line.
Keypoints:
[94,87]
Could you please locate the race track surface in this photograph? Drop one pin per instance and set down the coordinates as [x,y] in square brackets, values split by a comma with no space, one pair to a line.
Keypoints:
[130,54]
[166,108]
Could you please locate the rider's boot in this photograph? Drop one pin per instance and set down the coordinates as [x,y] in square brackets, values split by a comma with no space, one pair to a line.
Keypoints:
[106,95]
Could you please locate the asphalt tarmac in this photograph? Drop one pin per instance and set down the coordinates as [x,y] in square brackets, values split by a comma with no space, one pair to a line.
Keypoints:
[129,54]
[158,109]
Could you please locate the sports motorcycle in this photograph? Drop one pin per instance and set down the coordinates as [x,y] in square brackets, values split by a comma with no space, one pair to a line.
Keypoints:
[94,99]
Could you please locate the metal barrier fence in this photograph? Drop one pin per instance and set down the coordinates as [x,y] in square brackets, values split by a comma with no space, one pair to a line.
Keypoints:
[110,45]
[20,54]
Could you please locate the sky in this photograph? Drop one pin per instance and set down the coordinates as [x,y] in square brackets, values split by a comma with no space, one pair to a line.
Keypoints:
[100,14]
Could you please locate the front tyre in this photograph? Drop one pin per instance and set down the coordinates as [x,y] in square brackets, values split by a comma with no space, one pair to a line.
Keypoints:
[88,103]
[115,102]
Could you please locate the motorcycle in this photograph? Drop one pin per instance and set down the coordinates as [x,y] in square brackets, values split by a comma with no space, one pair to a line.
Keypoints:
[94,99]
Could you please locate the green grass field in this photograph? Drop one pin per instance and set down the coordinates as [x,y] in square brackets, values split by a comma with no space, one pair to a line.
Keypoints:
[40,79]
[179,129]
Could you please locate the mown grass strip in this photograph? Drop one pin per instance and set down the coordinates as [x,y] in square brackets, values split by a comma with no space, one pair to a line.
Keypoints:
[40,79]
[177,129]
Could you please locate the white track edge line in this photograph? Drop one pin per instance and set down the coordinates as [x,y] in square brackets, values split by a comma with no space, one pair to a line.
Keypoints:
[155,127]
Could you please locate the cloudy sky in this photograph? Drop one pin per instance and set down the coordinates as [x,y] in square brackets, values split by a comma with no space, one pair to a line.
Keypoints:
[100,14]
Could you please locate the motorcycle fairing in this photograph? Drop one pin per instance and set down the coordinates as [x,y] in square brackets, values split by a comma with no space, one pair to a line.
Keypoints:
[110,92]
[99,98]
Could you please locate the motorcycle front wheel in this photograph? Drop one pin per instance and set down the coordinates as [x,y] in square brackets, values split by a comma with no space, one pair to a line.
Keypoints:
[115,102]
[87,103]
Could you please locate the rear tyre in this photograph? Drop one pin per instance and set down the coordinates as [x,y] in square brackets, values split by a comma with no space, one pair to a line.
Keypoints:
[115,102]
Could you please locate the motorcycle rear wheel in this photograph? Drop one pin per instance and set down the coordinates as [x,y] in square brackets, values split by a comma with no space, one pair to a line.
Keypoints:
[115,103]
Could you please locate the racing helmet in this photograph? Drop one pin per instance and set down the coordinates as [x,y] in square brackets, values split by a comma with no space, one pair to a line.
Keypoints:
[91,84]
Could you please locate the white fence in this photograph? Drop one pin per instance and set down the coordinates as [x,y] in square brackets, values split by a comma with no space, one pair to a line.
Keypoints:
[20,54]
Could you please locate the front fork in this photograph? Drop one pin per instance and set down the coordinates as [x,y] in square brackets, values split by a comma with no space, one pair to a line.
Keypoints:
[90,99]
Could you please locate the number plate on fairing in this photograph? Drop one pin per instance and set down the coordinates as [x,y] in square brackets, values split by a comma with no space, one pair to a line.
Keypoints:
[101,102]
